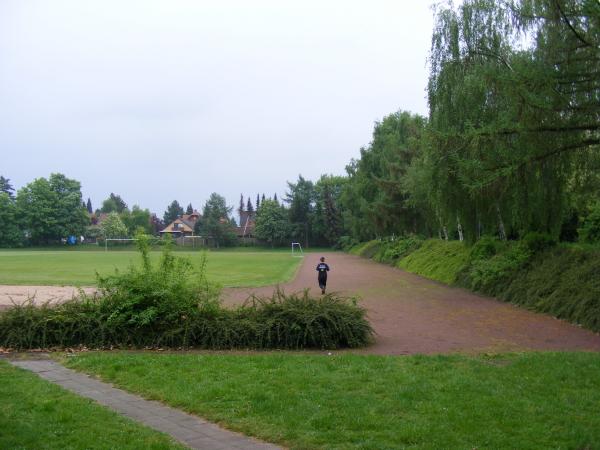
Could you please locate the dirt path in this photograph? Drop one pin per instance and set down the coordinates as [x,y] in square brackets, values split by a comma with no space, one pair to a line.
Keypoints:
[40,294]
[411,314]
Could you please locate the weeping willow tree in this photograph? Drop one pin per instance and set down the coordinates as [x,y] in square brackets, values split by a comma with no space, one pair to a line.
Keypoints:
[514,96]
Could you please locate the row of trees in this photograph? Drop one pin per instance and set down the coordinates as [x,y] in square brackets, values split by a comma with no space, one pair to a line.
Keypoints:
[512,141]
[511,144]
[42,212]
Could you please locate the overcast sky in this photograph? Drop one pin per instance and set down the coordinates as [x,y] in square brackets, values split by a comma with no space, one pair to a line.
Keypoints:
[175,99]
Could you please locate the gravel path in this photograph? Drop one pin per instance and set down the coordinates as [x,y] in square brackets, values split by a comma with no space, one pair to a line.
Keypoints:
[411,314]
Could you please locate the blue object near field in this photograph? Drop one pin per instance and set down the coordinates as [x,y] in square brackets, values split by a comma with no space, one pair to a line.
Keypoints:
[71,240]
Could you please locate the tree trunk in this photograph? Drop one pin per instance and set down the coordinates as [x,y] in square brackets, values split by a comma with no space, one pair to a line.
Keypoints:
[459,228]
[501,229]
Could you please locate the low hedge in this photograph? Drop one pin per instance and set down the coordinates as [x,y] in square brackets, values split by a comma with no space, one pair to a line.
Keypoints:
[295,321]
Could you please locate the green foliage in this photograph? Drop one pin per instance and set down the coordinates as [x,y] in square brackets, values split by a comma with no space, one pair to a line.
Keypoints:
[215,221]
[113,227]
[301,197]
[327,220]
[346,243]
[10,234]
[272,223]
[366,249]
[375,198]
[536,242]
[561,281]
[590,230]
[493,265]
[114,203]
[51,209]
[391,250]
[437,259]
[136,219]
[290,321]
[6,187]
[174,210]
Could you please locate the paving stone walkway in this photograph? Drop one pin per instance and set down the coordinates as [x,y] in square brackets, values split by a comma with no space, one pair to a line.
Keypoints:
[190,430]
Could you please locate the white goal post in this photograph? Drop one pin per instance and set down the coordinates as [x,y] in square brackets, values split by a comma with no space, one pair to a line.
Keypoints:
[203,241]
[297,248]
[117,240]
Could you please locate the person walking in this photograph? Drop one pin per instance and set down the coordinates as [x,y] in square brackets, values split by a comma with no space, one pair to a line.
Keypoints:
[322,270]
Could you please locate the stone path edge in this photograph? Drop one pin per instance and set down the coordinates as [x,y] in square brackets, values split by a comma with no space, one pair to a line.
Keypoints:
[190,430]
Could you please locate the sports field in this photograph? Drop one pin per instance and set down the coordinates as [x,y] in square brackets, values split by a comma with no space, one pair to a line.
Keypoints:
[78,268]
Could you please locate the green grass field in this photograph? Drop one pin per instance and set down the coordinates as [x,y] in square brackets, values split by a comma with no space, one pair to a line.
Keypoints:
[78,268]
[524,401]
[35,414]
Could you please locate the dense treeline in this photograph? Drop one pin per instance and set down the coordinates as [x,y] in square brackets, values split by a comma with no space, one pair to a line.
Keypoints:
[512,141]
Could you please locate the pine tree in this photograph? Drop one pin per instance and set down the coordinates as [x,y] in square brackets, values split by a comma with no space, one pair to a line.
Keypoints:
[89,206]
[189,209]
[241,208]
[257,202]
[249,206]
[275,198]
[5,186]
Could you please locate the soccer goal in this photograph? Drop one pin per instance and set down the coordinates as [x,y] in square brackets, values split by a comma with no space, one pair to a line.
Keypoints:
[118,240]
[195,241]
[297,250]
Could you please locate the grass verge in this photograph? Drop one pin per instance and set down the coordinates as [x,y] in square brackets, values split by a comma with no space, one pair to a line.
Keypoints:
[35,414]
[525,401]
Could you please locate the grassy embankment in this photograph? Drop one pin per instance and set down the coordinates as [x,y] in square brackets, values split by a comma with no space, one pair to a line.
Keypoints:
[562,280]
[525,401]
[78,268]
[36,414]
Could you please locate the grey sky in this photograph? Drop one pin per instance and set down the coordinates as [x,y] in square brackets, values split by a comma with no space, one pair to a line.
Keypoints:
[175,99]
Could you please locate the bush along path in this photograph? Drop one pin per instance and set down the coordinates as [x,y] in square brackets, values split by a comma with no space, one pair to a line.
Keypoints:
[411,314]
[173,305]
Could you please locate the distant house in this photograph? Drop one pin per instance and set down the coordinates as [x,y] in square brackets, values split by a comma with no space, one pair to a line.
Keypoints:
[182,226]
[247,224]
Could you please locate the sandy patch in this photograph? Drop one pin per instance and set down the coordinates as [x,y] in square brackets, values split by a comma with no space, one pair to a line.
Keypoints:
[40,294]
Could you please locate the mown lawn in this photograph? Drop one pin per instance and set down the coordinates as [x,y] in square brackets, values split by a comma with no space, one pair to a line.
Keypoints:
[524,401]
[78,268]
[35,414]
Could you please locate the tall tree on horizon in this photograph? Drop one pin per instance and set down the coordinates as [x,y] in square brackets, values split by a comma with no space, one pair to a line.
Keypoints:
[241,207]
[189,209]
[88,206]
[257,202]
[249,206]
[6,187]
[174,210]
